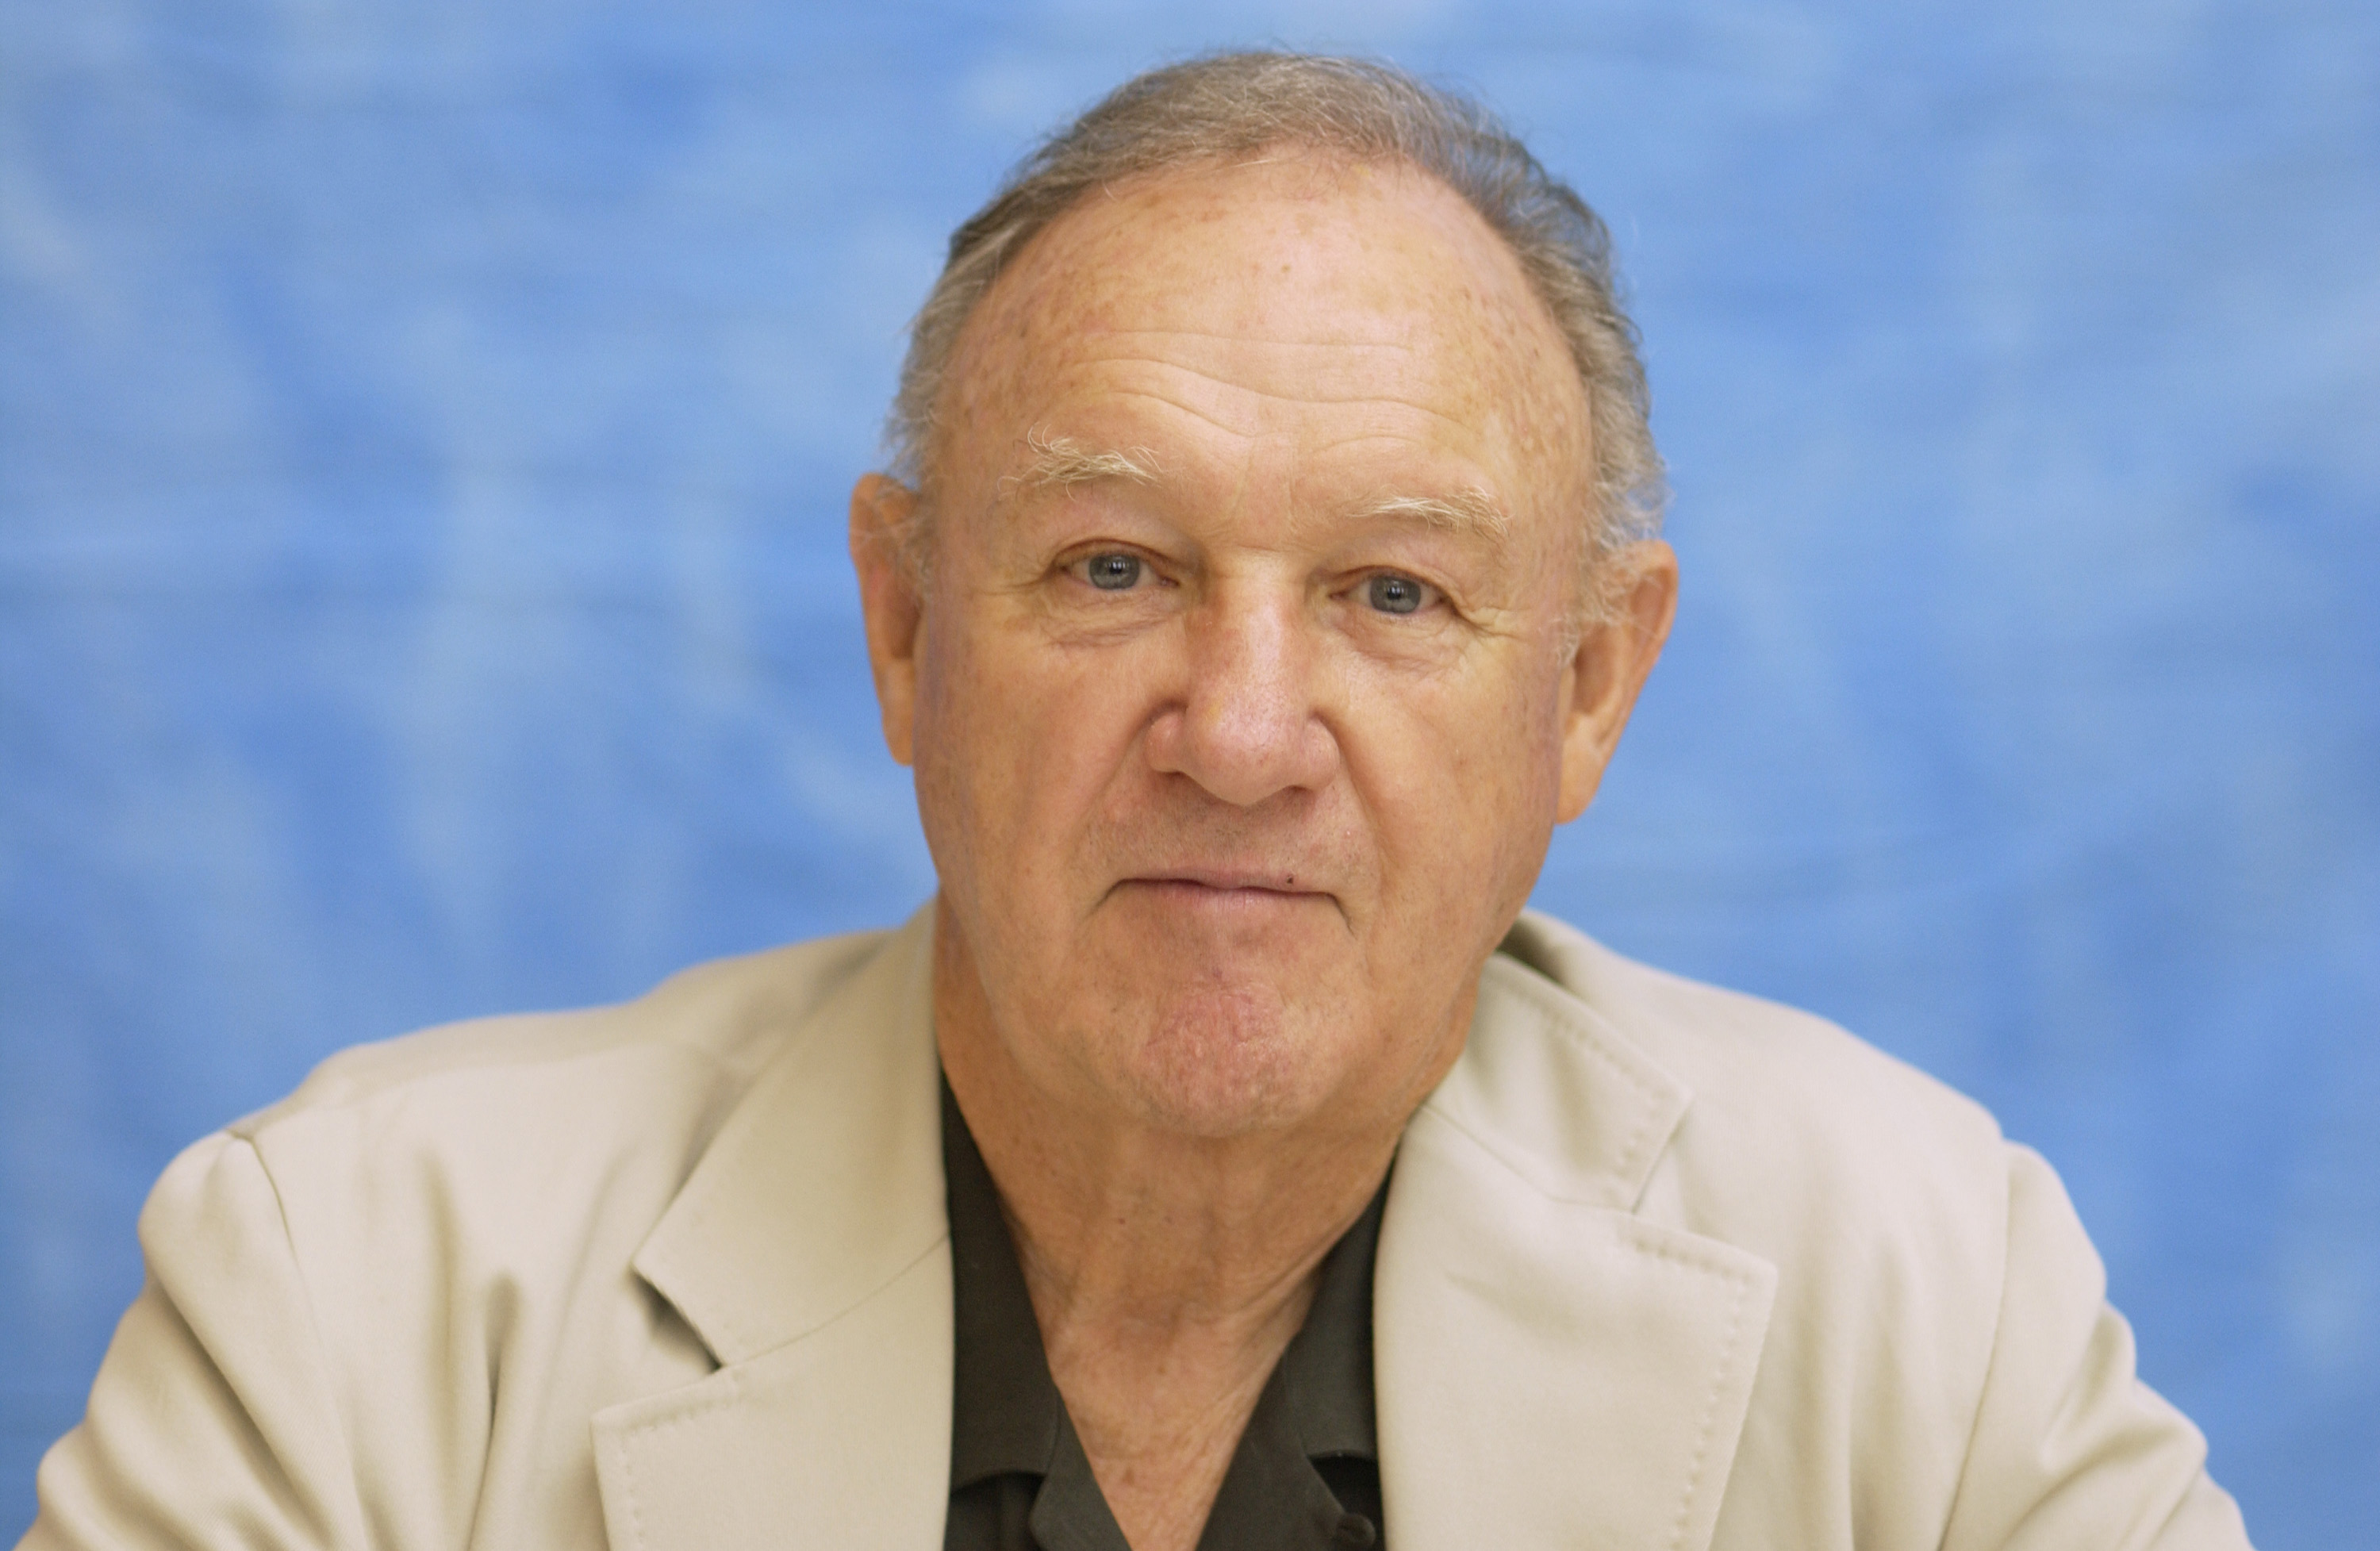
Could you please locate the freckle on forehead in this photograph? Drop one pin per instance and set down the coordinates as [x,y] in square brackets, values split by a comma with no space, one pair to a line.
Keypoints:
[1403,269]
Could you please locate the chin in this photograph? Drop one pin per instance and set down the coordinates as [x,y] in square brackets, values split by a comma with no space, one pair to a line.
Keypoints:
[1228,1062]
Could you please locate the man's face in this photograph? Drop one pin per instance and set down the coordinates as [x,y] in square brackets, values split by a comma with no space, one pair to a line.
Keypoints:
[1243,689]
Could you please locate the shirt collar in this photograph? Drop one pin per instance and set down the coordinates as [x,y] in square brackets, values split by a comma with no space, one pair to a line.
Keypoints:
[1329,1363]
[1006,1413]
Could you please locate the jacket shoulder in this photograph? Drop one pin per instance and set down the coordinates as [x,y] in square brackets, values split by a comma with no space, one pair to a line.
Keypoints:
[1773,1087]
[1842,1165]
[394,1297]
[1940,1340]
[1882,1199]
[525,1152]
[720,1020]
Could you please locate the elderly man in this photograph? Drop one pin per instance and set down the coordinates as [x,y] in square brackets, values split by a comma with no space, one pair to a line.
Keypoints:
[1224,1159]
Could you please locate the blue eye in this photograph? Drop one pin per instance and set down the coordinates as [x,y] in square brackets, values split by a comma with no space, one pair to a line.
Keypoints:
[1113,573]
[1393,594]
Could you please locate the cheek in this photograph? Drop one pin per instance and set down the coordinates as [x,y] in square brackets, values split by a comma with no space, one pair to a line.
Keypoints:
[965,771]
[939,754]
[1469,775]
[1017,745]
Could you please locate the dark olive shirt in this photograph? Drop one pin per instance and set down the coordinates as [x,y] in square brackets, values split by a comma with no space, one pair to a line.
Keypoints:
[1305,1475]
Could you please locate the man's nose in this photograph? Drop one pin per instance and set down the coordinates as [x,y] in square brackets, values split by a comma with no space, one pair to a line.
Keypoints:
[1245,725]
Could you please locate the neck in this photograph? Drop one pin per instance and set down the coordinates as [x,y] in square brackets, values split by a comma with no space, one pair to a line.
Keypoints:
[1128,1227]
[1167,1271]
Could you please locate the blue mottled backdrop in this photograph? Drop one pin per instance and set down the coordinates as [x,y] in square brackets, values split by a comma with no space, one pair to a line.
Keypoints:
[425,427]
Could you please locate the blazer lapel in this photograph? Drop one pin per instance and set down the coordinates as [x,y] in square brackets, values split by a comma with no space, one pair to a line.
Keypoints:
[809,1250]
[1553,1371]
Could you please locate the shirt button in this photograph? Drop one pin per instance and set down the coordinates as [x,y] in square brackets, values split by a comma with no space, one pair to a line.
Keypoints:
[1357,1531]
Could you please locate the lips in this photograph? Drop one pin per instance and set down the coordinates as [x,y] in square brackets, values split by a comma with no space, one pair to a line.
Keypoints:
[1221,894]
[1270,880]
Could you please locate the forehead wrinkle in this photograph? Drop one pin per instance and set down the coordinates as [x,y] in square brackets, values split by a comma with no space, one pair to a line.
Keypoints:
[1181,405]
[1061,462]
[1241,336]
[1309,388]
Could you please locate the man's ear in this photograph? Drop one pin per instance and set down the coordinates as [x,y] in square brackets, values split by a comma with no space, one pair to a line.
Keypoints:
[1614,654]
[881,509]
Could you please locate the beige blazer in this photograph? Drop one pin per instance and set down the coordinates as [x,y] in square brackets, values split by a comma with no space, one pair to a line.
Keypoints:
[1662,1267]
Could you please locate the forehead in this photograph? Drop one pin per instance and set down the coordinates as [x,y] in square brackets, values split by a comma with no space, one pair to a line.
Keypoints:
[1297,290]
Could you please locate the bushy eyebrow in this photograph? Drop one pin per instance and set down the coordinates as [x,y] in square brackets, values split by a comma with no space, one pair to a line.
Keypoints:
[1472,512]
[1059,462]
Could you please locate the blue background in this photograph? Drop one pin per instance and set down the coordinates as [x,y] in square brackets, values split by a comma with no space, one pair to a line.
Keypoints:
[424,435]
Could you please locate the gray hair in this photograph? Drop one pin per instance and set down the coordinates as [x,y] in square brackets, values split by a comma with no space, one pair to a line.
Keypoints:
[1229,105]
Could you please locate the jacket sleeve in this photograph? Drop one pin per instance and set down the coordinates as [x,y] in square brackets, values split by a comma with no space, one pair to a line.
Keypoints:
[2070,1448]
[212,1422]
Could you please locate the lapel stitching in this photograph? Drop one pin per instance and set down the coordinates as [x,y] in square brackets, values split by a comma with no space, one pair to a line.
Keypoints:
[1594,1144]
[810,1252]
[1553,1369]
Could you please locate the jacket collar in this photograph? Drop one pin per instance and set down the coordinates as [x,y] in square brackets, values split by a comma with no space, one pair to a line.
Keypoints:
[809,1250]
[826,1180]
[1550,1368]
[1553,1369]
